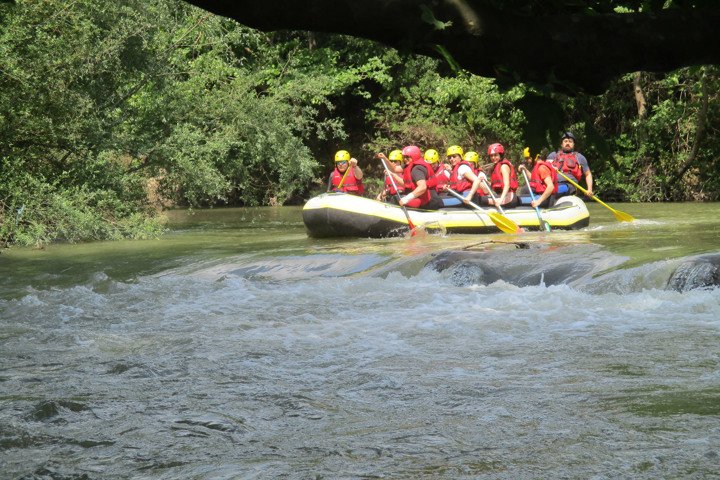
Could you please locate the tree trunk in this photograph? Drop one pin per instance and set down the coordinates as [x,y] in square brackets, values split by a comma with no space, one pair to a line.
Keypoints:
[639,96]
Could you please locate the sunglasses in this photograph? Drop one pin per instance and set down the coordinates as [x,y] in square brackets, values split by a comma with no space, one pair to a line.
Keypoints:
[344,162]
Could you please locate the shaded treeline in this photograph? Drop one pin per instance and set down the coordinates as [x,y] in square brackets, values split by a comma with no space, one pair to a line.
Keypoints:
[111,110]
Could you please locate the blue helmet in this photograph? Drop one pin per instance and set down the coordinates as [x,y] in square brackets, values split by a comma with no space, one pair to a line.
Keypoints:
[568,135]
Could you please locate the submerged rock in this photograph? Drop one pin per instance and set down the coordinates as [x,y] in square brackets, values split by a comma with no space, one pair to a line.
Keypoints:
[700,272]
[520,265]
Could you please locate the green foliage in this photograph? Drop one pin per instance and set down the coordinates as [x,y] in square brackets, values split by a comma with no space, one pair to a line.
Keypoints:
[62,160]
[424,108]
[669,153]
[36,212]
[98,99]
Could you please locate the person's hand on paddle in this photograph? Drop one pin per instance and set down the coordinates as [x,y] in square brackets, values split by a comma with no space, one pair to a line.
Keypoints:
[522,168]
[393,168]
[406,199]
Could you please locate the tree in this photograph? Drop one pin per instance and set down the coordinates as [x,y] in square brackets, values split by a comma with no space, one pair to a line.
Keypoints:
[97,100]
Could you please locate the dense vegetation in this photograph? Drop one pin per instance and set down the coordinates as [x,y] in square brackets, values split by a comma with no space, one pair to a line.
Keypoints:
[111,110]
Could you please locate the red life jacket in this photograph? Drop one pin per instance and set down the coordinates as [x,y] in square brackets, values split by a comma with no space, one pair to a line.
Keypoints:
[389,189]
[568,164]
[460,184]
[442,179]
[431,180]
[496,179]
[350,185]
[536,183]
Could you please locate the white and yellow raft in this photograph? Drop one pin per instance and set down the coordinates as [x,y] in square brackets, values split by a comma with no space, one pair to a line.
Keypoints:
[344,215]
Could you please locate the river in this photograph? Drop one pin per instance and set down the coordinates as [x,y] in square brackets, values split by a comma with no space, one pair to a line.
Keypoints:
[235,347]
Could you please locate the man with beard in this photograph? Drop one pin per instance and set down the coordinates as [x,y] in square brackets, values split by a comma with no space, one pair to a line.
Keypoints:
[571,163]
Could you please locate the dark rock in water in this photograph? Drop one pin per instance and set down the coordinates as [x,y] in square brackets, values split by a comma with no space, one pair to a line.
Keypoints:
[701,272]
[518,265]
[465,268]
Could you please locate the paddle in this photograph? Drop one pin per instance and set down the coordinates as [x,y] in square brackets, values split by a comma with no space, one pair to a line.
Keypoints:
[392,180]
[519,230]
[620,216]
[343,178]
[500,221]
[543,223]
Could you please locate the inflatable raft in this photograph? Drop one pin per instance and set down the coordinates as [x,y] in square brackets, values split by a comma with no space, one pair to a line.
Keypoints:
[343,215]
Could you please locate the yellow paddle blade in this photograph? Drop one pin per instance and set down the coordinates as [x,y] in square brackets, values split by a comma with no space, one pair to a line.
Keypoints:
[622,216]
[619,216]
[504,223]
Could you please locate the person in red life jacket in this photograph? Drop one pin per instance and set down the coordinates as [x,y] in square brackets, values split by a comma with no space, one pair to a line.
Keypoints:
[571,163]
[443,175]
[420,181]
[543,180]
[463,179]
[353,180]
[503,180]
[394,164]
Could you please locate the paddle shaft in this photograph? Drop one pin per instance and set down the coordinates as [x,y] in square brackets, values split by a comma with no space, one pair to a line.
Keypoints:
[543,223]
[490,191]
[345,175]
[476,207]
[392,180]
[501,221]
[620,216]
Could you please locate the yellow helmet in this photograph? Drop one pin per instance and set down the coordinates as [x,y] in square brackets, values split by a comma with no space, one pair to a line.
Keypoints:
[342,155]
[472,157]
[455,150]
[431,156]
[396,156]
[526,152]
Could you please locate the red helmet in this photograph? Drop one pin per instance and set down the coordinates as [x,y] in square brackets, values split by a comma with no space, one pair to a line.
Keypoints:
[413,152]
[496,148]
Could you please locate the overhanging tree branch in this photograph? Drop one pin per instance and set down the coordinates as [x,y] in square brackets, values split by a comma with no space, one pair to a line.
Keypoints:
[572,52]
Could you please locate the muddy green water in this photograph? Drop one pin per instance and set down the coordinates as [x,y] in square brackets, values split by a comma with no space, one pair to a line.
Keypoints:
[236,347]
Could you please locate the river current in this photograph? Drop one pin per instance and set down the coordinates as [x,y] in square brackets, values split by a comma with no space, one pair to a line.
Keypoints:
[235,347]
